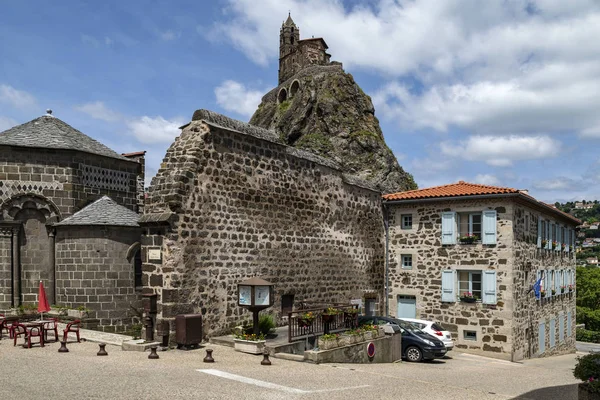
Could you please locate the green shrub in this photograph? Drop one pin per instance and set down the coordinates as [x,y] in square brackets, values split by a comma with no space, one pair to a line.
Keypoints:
[589,317]
[588,370]
[585,335]
[266,324]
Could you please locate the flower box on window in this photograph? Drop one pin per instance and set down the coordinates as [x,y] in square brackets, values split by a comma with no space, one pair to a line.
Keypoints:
[468,239]
[468,297]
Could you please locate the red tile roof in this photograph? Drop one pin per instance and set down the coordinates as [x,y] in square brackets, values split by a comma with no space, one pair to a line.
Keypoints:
[461,188]
[137,153]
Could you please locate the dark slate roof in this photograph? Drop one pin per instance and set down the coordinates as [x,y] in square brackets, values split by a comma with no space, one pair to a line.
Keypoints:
[51,133]
[104,211]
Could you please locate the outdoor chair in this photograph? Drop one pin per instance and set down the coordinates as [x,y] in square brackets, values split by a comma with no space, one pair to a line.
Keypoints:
[51,326]
[17,330]
[34,331]
[72,327]
[3,325]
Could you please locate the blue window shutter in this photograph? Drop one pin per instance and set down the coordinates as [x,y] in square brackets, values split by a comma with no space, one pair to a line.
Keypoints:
[539,239]
[548,240]
[542,337]
[569,324]
[489,227]
[559,236]
[561,328]
[552,333]
[449,228]
[568,238]
[448,279]
[489,287]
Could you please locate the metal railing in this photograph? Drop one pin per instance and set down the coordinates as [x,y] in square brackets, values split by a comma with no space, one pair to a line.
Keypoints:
[321,324]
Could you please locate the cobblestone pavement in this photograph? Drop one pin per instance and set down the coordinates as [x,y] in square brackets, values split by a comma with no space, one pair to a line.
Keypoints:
[45,373]
[97,336]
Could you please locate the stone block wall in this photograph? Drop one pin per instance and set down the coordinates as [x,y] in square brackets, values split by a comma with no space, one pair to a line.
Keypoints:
[424,281]
[529,312]
[246,206]
[94,269]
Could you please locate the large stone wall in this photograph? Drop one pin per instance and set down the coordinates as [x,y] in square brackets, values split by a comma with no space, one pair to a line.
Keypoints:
[245,206]
[529,312]
[506,330]
[94,269]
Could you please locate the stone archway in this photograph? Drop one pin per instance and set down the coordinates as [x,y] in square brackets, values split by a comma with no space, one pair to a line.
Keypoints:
[294,88]
[32,253]
[282,96]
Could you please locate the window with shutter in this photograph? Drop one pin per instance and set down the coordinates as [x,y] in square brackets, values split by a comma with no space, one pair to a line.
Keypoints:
[569,333]
[539,234]
[548,236]
[568,239]
[489,287]
[449,228]
[558,237]
[561,328]
[552,333]
[489,227]
[448,292]
[542,337]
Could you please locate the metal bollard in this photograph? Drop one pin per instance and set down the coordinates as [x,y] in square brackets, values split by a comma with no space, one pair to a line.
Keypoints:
[153,355]
[209,358]
[63,347]
[102,351]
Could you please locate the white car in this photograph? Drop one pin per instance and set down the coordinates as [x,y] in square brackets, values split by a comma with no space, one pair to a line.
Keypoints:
[434,329]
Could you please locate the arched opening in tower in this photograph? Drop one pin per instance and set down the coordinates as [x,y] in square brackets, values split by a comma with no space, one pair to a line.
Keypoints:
[282,96]
[294,88]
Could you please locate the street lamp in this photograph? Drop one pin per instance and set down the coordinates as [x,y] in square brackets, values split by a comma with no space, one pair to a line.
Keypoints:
[255,294]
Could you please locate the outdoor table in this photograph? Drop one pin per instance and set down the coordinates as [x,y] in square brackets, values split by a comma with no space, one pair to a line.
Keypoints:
[37,324]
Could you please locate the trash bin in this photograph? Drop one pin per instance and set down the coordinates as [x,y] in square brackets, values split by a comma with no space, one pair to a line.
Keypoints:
[188,330]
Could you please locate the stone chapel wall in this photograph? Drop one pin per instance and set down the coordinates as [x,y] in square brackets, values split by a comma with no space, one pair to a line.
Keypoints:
[245,206]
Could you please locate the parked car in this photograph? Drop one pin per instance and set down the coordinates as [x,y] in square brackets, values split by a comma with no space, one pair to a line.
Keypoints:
[416,344]
[435,329]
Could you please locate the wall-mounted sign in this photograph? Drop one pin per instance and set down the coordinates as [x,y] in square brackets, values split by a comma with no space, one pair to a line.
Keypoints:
[154,254]
[371,349]
[245,295]
[261,295]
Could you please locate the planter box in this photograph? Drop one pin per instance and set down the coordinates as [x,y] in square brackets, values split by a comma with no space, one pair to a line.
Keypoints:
[248,346]
[468,299]
[329,344]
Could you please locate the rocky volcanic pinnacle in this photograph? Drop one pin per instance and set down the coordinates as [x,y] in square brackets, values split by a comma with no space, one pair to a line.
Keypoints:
[321,109]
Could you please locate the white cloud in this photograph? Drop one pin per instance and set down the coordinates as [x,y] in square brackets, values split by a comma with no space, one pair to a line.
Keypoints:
[486,179]
[98,110]
[108,41]
[559,184]
[502,151]
[169,35]
[16,98]
[155,130]
[236,97]
[6,123]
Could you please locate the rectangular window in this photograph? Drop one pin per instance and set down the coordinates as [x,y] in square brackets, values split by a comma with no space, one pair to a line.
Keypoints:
[407,261]
[406,221]
[469,224]
[470,335]
[469,282]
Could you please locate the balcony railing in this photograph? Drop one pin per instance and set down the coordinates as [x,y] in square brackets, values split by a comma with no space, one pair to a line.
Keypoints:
[299,328]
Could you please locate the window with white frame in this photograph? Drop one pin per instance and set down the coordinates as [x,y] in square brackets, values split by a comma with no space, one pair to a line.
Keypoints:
[406,221]
[480,284]
[407,261]
[466,225]
[469,282]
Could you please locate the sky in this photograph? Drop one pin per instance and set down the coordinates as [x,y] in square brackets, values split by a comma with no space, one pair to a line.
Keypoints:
[505,93]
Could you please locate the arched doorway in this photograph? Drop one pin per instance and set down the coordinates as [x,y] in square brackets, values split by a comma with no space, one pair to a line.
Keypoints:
[294,88]
[282,96]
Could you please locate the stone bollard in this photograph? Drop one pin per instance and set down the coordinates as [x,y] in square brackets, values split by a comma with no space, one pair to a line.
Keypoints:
[153,355]
[63,347]
[209,358]
[265,360]
[102,351]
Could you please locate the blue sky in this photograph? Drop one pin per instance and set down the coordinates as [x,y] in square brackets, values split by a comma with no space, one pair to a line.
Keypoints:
[506,93]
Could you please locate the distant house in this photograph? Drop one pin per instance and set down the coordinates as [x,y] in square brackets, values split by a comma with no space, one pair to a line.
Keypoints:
[592,260]
[468,255]
[581,206]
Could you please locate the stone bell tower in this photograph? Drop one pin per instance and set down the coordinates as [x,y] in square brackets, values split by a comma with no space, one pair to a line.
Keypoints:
[289,38]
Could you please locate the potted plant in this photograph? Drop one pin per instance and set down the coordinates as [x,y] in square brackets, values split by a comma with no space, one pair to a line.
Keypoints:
[329,314]
[306,319]
[564,247]
[468,239]
[554,245]
[468,297]
[542,293]
[563,289]
[329,341]
[544,243]
[571,287]
[249,343]
[588,370]
[553,292]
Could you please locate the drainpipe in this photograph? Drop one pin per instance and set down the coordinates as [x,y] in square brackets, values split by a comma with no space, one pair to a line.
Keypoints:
[387,258]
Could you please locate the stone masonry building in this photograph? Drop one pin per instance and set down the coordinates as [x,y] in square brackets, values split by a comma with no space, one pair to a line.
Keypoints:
[448,244]
[230,202]
[296,54]
[53,226]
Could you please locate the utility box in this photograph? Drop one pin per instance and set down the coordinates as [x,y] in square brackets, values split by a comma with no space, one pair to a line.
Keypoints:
[188,330]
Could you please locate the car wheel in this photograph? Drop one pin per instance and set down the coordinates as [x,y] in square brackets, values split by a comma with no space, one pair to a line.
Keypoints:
[414,354]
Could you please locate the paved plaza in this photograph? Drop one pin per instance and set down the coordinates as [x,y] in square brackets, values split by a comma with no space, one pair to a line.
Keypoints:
[80,374]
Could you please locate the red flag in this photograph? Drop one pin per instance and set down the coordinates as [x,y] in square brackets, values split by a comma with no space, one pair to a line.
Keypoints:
[43,305]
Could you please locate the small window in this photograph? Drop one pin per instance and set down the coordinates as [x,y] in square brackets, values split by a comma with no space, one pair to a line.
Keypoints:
[406,221]
[287,303]
[469,224]
[407,261]
[469,282]
[470,335]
